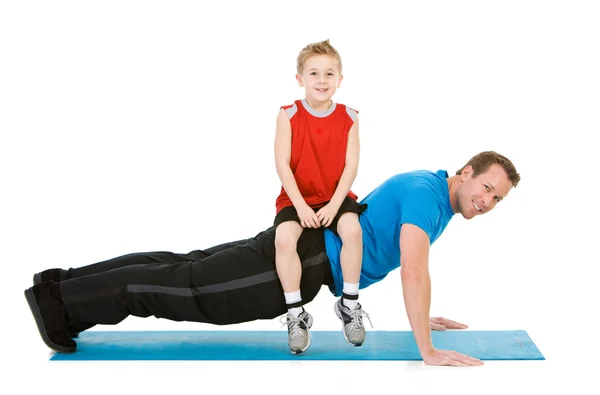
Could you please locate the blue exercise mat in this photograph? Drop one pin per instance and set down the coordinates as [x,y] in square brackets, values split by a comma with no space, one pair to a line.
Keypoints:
[230,345]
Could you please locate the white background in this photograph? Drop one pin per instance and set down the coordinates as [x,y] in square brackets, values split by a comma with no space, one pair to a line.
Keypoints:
[134,126]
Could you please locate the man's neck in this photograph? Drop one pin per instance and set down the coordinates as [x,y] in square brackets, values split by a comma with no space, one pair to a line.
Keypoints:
[453,183]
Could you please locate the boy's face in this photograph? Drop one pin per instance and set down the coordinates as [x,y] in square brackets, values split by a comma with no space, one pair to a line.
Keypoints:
[320,78]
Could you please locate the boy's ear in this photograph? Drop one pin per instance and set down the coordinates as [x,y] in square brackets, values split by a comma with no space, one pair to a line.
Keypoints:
[340,81]
[299,79]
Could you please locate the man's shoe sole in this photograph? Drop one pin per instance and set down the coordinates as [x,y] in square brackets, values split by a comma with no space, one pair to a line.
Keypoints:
[35,310]
[37,279]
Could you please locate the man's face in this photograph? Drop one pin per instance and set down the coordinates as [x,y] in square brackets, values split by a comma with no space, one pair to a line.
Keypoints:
[480,195]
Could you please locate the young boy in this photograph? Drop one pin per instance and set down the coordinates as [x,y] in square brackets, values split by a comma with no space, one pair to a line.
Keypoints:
[316,156]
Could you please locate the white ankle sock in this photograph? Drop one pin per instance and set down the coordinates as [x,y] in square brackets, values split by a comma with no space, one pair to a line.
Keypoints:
[350,289]
[293,297]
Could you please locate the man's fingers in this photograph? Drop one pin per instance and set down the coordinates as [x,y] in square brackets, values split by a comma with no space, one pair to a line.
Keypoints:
[471,358]
[454,324]
[451,358]
[466,359]
[437,327]
[472,362]
[448,323]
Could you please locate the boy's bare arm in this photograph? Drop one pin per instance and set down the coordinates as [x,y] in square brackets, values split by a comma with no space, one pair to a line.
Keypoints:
[351,167]
[283,152]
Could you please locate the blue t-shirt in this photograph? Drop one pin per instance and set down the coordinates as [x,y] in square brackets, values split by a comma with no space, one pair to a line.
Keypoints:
[419,197]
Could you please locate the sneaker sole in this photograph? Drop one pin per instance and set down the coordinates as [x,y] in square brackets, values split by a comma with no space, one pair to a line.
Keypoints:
[305,348]
[37,279]
[309,325]
[37,315]
[339,314]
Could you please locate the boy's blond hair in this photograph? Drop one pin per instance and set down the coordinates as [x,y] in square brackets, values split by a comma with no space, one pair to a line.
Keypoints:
[320,48]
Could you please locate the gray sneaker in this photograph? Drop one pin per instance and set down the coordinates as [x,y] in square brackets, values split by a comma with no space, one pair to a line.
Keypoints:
[298,331]
[352,323]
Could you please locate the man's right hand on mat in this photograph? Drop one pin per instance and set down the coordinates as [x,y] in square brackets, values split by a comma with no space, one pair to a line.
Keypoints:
[449,358]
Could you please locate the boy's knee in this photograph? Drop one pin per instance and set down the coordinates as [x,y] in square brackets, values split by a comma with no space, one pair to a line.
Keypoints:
[349,229]
[286,237]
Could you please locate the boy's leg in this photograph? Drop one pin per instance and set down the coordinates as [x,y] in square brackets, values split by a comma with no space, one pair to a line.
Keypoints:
[288,265]
[350,257]
[347,226]
[347,307]
[289,270]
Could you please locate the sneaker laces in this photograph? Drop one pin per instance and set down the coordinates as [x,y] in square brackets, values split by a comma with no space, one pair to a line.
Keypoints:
[356,317]
[293,325]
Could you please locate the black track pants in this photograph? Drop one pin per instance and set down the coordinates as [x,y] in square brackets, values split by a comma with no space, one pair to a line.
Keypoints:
[227,284]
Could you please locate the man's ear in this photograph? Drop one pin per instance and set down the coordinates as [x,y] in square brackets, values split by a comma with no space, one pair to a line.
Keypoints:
[466,173]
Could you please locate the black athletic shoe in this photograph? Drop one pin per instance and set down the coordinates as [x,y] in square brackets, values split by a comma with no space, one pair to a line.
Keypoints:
[50,317]
[74,330]
[56,275]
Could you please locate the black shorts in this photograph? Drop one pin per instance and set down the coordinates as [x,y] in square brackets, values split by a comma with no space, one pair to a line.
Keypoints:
[348,206]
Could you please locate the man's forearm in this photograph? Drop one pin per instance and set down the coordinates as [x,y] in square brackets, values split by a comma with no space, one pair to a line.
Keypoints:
[416,288]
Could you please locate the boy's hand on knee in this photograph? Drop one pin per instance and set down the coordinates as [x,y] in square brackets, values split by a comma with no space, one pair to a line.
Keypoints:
[308,217]
[327,213]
